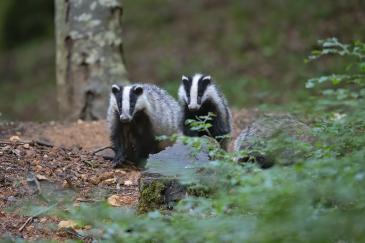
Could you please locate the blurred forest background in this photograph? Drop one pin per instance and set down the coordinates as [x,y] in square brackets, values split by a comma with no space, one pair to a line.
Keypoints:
[254,49]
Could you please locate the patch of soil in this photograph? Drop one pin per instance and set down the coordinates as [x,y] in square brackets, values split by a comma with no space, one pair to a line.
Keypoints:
[87,135]
[62,168]
[65,172]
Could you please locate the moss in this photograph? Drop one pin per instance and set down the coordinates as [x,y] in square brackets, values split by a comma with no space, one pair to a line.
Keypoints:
[199,190]
[151,196]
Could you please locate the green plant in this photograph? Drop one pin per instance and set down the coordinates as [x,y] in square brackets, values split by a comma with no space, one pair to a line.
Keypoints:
[319,199]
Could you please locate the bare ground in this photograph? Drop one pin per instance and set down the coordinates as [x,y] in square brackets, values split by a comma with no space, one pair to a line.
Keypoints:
[46,163]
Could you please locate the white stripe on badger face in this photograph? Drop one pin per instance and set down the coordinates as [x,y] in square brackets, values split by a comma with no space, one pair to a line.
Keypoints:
[194,92]
[126,104]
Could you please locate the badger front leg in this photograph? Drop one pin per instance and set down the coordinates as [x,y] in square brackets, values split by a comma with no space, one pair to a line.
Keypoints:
[119,149]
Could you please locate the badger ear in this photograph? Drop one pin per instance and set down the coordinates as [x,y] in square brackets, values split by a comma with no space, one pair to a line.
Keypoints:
[207,80]
[138,90]
[115,88]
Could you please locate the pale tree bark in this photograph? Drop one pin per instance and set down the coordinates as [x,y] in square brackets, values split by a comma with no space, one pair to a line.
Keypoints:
[89,55]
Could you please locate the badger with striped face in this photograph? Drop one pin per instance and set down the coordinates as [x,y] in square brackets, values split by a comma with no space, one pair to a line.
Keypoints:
[136,115]
[198,96]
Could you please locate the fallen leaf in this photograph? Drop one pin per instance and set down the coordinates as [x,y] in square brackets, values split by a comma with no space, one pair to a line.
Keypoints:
[14,138]
[26,146]
[41,177]
[38,168]
[114,200]
[119,200]
[94,180]
[106,175]
[128,183]
[67,224]
[110,181]
[65,184]
[42,220]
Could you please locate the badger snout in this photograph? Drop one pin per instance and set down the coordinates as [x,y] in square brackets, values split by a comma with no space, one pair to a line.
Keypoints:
[125,118]
[194,107]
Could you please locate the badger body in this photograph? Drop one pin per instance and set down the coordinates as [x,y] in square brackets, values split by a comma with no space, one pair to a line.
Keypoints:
[199,96]
[136,115]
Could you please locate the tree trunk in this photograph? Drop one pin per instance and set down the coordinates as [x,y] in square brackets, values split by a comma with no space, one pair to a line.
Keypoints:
[89,56]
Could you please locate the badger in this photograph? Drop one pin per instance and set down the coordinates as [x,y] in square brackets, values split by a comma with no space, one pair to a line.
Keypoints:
[198,96]
[137,114]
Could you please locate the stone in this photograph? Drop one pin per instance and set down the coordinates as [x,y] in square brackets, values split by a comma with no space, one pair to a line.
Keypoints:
[168,175]
[272,128]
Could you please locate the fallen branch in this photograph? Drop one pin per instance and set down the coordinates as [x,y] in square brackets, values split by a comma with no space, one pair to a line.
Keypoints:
[43,143]
[30,219]
[101,149]
[22,142]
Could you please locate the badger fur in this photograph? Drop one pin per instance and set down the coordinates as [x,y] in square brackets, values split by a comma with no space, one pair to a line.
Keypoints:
[136,115]
[198,95]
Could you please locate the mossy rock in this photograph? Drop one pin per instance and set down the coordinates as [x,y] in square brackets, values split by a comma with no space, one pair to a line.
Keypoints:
[275,139]
[168,176]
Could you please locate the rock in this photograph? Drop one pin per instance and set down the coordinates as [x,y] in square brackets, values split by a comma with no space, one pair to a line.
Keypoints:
[11,199]
[160,184]
[281,130]
[106,154]
[17,152]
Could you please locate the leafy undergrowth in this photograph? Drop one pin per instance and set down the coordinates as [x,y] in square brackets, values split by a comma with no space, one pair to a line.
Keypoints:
[319,199]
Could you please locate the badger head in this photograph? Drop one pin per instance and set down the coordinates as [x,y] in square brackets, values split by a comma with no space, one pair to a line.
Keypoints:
[127,100]
[194,91]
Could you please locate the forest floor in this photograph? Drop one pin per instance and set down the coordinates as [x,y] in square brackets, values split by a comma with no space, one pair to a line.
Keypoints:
[50,164]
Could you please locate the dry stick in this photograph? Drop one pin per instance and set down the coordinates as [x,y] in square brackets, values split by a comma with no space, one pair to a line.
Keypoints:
[26,223]
[30,219]
[101,149]
[42,143]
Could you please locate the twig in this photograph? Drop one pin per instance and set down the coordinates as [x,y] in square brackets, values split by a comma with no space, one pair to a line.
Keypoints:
[30,219]
[73,233]
[88,163]
[101,149]
[87,200]
[43,143]
[21,142]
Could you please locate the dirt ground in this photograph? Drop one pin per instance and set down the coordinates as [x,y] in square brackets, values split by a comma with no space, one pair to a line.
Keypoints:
[48,163]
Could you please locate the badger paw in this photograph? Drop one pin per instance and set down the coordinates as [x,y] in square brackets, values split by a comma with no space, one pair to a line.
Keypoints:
[118,160]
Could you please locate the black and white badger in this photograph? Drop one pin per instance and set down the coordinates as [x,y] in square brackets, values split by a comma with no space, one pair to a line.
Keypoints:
[136,115]
[198,96]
